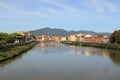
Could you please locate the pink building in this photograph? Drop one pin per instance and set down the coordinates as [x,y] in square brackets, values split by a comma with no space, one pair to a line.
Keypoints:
[94,39]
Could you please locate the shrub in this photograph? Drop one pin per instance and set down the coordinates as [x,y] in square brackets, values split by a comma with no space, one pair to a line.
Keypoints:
[2,42]
[16,50]
[98,45]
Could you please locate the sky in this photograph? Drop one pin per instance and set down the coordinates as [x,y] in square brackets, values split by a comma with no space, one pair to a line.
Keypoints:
[25,15]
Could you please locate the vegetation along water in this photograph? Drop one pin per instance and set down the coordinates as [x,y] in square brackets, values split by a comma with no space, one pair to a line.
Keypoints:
[4,55]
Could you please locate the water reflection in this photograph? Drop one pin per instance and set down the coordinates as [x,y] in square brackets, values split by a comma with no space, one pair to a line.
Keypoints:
[115,56]
[7,62]
[86,51]
[90,51]
[48,44]
[50,48]
[53,61]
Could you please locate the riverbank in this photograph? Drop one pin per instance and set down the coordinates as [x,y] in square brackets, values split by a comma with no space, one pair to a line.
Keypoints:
[15,51]
[98,45]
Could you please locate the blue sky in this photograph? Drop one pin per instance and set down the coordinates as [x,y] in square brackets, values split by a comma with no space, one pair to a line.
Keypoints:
[25,15]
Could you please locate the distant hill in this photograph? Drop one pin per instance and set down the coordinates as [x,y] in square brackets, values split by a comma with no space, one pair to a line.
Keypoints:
[50,32]
[62,32]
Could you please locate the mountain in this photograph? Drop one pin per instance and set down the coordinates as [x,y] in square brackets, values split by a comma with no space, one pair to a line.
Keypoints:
[50,32]
[61,32]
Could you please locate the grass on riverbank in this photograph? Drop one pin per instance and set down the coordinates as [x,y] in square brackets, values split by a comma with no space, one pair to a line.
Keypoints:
[15,51]
[98,45]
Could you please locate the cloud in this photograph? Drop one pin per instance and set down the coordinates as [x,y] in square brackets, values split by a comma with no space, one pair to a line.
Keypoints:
[5,6]
[15,10]
[63,8]
[112,7]
[101,5]
[38,8]
[55,8]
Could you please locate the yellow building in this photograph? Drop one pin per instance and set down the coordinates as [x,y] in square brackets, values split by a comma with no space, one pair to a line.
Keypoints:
[72,37]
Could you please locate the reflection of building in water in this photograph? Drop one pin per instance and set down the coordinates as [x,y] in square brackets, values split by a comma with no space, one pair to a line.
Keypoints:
[47,44]
[89,51]
[72,49]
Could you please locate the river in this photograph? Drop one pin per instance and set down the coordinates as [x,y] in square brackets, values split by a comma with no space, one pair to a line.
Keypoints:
[53,61]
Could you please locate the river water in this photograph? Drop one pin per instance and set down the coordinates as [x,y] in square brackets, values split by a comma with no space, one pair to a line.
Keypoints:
[53,61]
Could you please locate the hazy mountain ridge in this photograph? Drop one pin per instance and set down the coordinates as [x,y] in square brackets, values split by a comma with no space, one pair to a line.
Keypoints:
[62,32]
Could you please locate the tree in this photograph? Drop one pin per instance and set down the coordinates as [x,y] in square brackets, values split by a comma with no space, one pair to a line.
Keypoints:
[12,37]
[112,38]
[101,35]
[4,36]
[115,37]
[8,38]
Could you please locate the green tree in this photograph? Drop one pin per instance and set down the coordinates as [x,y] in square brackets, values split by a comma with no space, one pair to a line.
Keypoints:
[100,35]
[12,37]
[8,38]
[115,37]
[112,38]
[4,36]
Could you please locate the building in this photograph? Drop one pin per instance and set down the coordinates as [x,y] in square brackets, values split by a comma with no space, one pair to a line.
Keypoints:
[88,38]
[72,37]
[39,38]
[63,38]
[25,37]
[79,37]
[43,38]
[94,39]
[56,38]
[106,39]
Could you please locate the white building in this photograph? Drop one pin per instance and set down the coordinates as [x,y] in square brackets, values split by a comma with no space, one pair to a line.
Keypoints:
[63,38]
